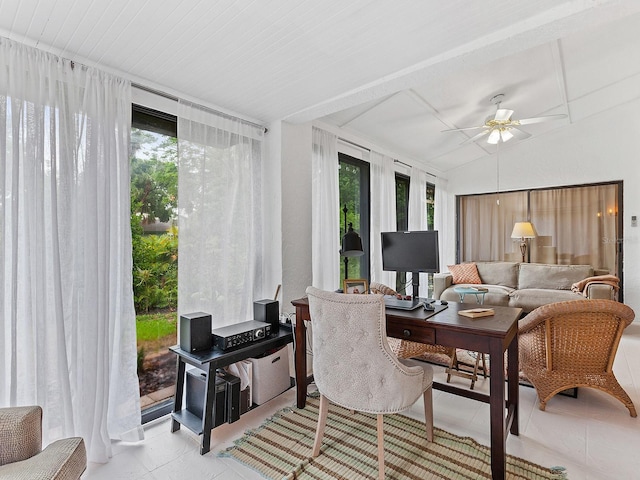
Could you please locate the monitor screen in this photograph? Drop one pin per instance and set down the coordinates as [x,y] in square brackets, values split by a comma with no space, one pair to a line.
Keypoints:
[411,251]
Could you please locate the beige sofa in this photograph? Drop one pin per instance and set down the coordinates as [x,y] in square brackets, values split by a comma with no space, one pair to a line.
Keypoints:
[525,285]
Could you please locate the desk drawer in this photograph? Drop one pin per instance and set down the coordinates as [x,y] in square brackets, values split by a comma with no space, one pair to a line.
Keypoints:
[415,334]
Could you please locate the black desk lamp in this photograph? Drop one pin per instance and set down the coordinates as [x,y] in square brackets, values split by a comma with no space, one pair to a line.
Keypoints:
[351,244]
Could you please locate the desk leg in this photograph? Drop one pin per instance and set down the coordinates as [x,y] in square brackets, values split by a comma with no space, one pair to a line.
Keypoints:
[300,355]
[497,411]
[177,398]
[513,401]
[207,414]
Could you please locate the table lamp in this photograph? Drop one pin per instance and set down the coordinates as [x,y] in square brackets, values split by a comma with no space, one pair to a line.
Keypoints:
[523,230]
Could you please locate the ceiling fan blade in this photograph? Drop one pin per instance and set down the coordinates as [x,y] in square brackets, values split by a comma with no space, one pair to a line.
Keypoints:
[461,129]
[519,134]
[546,118]
[475,137]
[502,114]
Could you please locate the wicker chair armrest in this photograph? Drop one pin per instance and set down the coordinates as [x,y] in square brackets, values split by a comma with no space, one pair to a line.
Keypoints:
[382,289]
[20,433]
[608,307]
[62,460]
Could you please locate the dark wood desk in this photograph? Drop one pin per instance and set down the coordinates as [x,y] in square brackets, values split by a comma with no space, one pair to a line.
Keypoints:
[209,361]
[493,335]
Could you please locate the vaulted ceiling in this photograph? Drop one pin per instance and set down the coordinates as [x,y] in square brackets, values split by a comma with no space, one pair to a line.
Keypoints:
[396,74]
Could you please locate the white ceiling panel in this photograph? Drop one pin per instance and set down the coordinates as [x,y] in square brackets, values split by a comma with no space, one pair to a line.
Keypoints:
[394,75]
[601,57]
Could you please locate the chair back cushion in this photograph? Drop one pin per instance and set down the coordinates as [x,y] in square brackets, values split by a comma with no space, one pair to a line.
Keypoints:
[353,365]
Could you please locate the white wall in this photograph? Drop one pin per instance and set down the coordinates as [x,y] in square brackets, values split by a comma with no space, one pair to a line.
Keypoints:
[604,147]
[296,150]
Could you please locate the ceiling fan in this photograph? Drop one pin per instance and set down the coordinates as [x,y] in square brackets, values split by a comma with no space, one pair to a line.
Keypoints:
[501,126]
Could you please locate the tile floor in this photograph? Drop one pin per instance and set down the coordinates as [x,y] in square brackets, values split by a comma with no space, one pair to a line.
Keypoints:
[593,436]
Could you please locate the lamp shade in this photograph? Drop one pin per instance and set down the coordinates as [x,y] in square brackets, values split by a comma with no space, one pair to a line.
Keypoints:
[523,230]
[351,244]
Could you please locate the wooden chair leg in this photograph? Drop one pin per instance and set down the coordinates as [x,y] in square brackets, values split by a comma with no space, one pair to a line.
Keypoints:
[428,412]
[380,447]
[322,422]
[453,363]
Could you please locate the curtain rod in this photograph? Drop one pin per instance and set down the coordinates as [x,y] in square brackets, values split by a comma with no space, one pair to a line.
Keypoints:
[410,166]
[354,144]
[208,109]
[368,150]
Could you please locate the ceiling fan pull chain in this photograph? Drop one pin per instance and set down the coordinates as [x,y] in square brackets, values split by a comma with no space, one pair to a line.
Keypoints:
[498,174]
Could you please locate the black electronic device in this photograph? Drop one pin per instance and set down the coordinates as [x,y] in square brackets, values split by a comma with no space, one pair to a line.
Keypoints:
[415,252]
[391,301]
[232,394]
[240,334]
[267,311]
[195,389]
[195,332]
[443,302]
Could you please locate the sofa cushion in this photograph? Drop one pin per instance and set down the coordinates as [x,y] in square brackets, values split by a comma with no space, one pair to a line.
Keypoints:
[554,277]
[465,273]
[499,273]
[531,298]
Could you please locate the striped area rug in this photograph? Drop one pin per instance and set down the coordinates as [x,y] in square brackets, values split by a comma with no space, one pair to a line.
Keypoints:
[281,449]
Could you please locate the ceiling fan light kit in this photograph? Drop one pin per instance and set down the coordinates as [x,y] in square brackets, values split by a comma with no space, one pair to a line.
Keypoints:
[501,127]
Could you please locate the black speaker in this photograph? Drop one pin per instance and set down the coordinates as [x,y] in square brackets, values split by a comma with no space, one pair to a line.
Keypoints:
[196,386]
[195,332]
[233,395]
[267,311]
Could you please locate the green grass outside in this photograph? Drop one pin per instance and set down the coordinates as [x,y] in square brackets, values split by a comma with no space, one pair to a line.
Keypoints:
[153,326]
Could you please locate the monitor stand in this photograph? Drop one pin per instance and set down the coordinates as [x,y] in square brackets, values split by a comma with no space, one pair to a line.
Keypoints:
[415,281]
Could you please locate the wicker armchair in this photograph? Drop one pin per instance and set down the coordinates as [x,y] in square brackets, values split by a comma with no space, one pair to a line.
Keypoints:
[21,454]
[573,344]
[406,348]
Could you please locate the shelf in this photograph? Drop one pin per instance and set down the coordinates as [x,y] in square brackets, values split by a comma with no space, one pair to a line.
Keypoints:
[189,420]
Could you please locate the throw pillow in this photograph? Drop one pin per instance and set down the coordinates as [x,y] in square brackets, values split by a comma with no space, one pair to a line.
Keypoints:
[465,273]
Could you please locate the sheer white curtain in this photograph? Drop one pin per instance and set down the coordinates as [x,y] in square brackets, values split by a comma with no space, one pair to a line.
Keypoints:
[418,214]
[325,222]
[67,327]
[444,220]
[220,211]
[383,213]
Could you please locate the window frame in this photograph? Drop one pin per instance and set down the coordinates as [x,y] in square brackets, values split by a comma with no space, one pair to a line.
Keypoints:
[365,212]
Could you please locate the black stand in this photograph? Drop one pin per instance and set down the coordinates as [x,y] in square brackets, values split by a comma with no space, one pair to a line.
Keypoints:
[209,361]
[415,281]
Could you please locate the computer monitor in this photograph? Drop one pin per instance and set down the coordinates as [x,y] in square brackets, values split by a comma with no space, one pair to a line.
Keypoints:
[413,252]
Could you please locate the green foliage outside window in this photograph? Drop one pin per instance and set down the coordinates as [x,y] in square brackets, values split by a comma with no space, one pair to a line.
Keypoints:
[154,188]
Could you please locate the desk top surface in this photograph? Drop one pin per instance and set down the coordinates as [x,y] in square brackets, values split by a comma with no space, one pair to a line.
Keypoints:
[499,324]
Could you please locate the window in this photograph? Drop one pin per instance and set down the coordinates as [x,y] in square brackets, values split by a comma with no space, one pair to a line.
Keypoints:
[353,178]
[402,221]
[154,186]
[579,225]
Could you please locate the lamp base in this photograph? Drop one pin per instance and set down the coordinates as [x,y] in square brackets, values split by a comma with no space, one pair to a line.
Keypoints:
[523,250]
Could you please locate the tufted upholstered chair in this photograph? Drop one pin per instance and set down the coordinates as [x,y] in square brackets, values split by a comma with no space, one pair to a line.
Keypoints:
[573,344]
[354,367]
[21,454]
